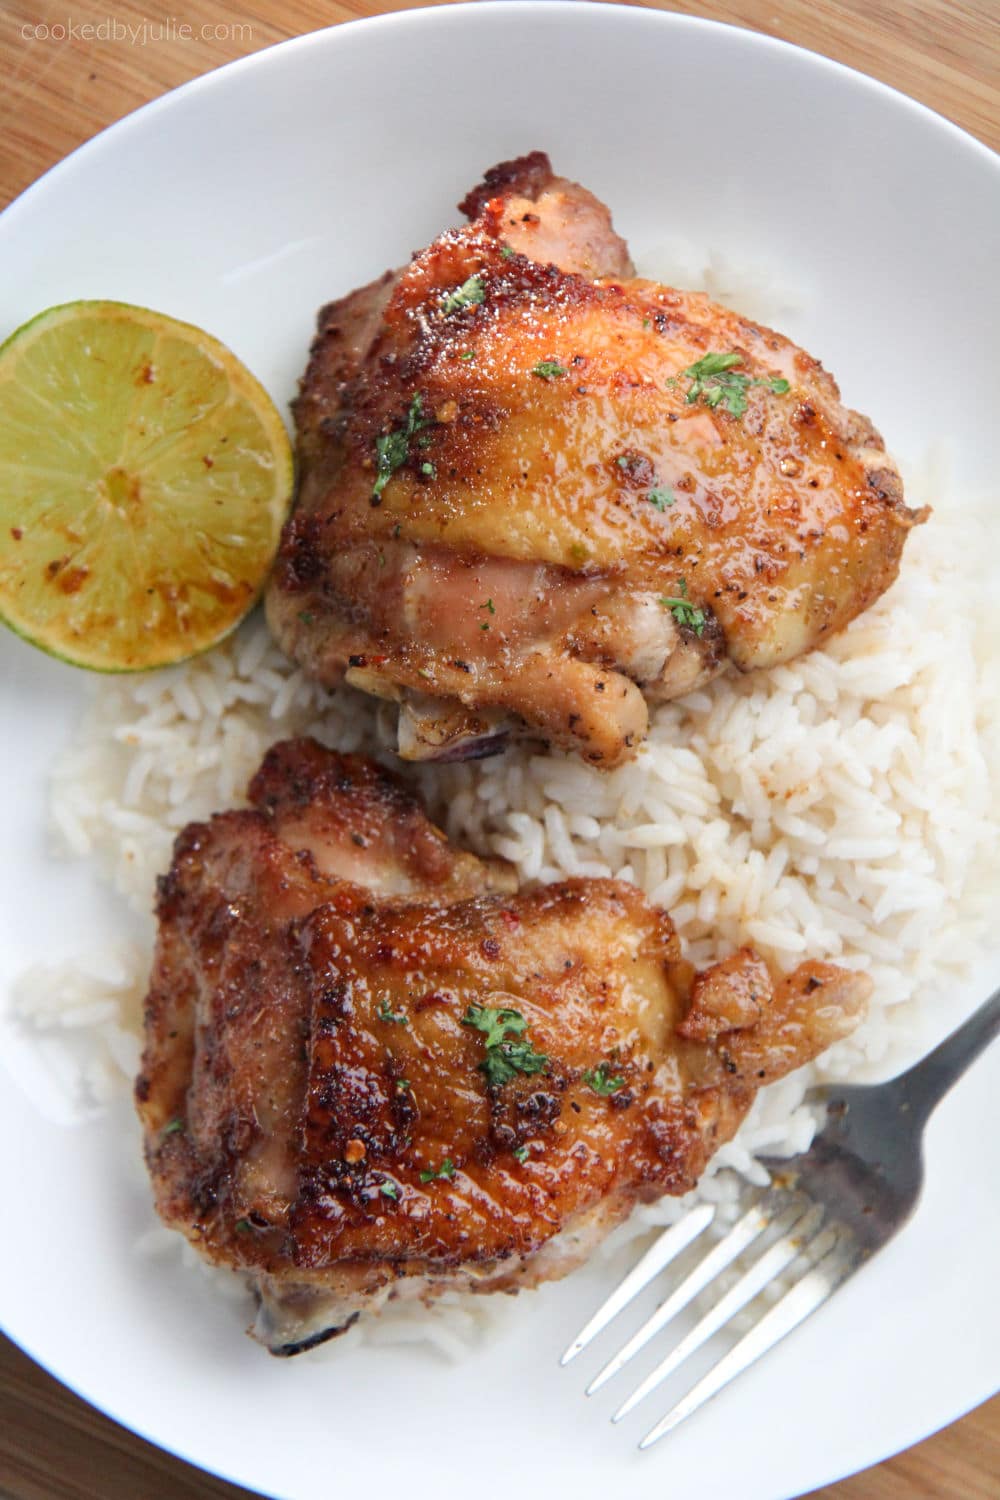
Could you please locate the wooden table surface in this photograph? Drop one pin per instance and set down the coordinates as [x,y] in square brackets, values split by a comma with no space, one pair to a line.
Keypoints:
[59,91]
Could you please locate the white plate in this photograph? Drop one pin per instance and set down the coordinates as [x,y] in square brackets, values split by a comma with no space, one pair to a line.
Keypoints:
[242,202]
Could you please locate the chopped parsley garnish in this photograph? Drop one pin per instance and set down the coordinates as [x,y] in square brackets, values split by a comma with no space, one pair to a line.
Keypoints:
[469,294]
[716,382]
[549,369]
[402,1084]
[429,469]
[386,1013]
[645,322]
[522,1153]
[490,606]
[502,1063]
[243,1226]
[389,1190]
[392,449]
[446,1170]
[467,355]
[683,611]
[660,499]
[504,1059]
[494,1024]
[506,252]
[173,1127]
[600,1080]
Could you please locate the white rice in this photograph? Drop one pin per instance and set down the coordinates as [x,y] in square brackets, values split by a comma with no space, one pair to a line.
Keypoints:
[844,807]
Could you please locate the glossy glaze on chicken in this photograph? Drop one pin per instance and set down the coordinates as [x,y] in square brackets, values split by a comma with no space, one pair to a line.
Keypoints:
[374,1067]
[538,493]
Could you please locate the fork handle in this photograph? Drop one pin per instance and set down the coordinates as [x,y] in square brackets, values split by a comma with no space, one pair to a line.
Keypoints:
[926,1083]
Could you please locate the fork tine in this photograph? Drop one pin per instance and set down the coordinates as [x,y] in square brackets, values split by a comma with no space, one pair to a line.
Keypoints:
[808,1294]
[660,1254]
[743,1233]
[797,1227]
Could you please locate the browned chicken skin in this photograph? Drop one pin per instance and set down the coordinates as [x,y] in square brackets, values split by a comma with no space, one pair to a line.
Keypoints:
[374,1067]
[519,510]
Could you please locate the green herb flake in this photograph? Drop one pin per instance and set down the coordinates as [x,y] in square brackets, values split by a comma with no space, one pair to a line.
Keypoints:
[503,1063]
[522,1153]
[712,364]
[645,322]
[386,1013]
[173,1127]
[661,498]
[490,606]
[243,1226]
[389,1190]
[600,1080]
[549,369]
[305,617]
[392,449]
[485,625]
[467,355]
[429,470]
[683,611]
[504,1059]
[402,1084]
[716,382]
[469,294]
[506,252]
[494,1024]
[445,1170]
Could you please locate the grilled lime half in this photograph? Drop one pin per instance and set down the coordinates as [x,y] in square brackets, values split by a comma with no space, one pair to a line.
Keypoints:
[144,478]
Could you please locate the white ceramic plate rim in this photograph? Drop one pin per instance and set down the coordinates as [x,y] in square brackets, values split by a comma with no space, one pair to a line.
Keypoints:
[391,20]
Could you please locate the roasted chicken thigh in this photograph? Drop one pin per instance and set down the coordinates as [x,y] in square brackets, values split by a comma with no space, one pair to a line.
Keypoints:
[538,493]
[375,1068]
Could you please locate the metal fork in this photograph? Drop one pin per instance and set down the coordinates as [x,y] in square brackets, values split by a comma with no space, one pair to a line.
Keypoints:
[826,1212]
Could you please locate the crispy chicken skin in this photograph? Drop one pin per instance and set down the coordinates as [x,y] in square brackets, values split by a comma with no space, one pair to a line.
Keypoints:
[315,1105]
[511,516]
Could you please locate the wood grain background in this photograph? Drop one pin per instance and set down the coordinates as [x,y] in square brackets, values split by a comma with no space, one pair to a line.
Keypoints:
[57,92]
